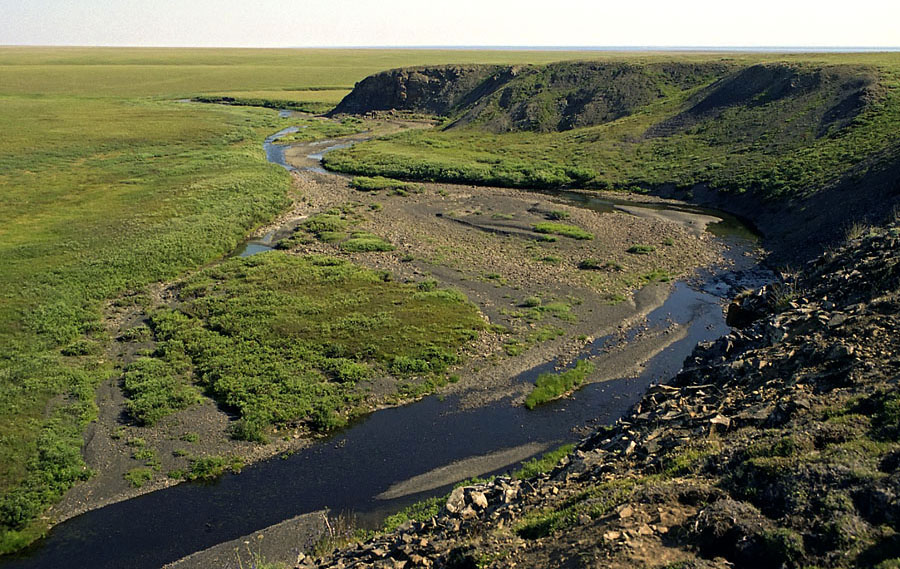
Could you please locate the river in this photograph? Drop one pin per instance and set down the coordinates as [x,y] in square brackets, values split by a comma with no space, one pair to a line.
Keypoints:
[349,470]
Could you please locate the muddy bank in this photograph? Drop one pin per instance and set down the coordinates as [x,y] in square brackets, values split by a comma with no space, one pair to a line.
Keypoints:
[275,544]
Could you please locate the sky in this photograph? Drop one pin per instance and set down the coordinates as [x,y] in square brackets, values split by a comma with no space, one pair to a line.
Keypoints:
[341,23]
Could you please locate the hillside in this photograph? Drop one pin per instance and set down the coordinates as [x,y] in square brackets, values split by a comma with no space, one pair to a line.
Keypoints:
[776,446]
[798,147]
[555,97]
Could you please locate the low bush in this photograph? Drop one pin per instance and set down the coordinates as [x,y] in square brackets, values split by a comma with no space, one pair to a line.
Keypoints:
[139,476]
[366,243]
[207,468]
[551,386]
[323,222]
[550,227]
[155,389]
[378,183]
[545,463]
[641,249]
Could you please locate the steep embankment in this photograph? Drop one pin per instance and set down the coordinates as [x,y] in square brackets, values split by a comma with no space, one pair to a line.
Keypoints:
[798,148]
[777,446]
[801,102]
[434,90]
[555,97]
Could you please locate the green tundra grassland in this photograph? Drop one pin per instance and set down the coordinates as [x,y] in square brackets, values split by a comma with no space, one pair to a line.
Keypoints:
[108,184]
[708,126]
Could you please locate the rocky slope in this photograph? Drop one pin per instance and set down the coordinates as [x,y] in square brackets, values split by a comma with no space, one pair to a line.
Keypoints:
[776,446]
[433,90]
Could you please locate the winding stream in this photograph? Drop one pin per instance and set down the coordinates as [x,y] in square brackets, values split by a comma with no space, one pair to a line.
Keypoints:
[348,471]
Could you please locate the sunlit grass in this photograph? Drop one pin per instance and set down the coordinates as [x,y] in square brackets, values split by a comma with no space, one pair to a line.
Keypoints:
[99,197]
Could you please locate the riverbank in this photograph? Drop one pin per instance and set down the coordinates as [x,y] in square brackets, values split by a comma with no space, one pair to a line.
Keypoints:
[776,446]
[500,272]
[577,305]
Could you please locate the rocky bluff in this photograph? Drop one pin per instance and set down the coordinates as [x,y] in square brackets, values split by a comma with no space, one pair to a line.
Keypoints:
[778,445]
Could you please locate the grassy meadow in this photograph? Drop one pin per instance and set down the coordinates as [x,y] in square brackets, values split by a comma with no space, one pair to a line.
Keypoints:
[108,184]
[101,196]
[283,339]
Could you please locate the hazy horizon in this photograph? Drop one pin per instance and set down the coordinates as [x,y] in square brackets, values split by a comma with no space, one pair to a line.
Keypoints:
[499,24]
[711,48]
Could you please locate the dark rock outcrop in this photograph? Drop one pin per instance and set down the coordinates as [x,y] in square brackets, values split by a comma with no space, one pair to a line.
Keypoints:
[776,446]
[554,97]
[434,90]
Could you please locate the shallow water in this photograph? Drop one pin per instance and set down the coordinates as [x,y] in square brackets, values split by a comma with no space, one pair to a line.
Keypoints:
[275,151]
[255,245]
[348,470]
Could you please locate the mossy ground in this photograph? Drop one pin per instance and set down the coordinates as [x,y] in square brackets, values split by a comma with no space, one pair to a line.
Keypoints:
[286,340]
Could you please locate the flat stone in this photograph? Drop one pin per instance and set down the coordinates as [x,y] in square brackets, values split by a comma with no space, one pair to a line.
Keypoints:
[478,499]
[457,500]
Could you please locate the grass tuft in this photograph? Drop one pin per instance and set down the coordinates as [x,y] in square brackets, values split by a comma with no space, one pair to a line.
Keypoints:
[572,231]
[551,386]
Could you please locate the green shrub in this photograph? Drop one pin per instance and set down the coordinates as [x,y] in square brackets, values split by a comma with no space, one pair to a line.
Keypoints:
[405,365]
[324,418]
[551,386]
[558,215]
[427,285]
[206,468]
[140,333]
[377,183]
[248,429]
[421,511]
[322,222]
[139,476]
[562,229]
[366,244]
[155,389]
[641,249]
[590,265]
[346,371]
[783,547]
[190,437]
[81,347]
[545,463]
[331,236]
[514,347]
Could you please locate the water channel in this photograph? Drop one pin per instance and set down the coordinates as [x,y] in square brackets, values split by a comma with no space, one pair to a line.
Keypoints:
[348,471]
